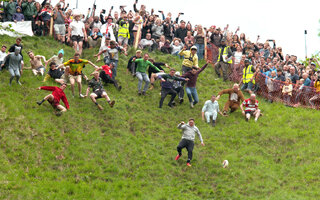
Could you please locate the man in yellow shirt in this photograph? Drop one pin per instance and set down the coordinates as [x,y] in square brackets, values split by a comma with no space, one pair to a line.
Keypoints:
[190,59]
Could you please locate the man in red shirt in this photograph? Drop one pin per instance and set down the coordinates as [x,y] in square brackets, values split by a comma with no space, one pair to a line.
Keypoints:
[107,76]
[54,98]
[250,107]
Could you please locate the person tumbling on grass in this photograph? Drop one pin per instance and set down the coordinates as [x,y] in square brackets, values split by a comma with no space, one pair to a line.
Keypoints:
[189,131]
[54,98]
[98,92]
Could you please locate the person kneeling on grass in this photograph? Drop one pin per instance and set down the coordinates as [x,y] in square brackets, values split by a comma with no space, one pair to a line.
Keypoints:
[54,98]
[189,131]
[211,110]
[250,107]
[167,86]
[98,92]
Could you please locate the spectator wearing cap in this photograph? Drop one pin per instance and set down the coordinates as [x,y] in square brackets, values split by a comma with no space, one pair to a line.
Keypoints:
[224,60]
[190,59]
[77,33]
[18,16]
[248,76]
[107,31]
[181,32]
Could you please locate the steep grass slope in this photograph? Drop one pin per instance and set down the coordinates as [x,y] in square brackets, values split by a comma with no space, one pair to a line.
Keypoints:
[127,152]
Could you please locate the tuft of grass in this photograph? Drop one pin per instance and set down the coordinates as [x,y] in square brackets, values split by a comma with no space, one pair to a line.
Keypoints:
[127,152]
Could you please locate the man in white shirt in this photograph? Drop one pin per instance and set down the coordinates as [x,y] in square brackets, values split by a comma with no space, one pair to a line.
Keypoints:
[3,54]
[77,33]
[211,110]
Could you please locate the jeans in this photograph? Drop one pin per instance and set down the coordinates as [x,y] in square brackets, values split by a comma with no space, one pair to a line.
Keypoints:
[200,51]
[143,77]
[192,93]
[247,86]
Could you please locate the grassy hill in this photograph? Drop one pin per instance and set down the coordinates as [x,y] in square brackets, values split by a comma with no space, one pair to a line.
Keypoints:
[128,152]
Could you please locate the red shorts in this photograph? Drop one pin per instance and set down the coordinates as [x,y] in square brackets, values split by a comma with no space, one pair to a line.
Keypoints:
[54,103]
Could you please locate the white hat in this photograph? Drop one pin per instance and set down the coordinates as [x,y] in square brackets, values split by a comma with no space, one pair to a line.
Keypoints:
[194,47]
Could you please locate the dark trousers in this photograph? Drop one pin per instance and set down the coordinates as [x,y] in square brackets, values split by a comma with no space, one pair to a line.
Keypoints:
[107,79]
[180,92]
[188,144]
[164,93]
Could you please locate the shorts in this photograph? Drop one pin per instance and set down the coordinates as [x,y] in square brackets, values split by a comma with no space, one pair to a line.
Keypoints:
[54,103]
[38,69]
[75,77]
[60,29]
[99,93]
[76,38]
[123,40]
[251,112]
[64,78]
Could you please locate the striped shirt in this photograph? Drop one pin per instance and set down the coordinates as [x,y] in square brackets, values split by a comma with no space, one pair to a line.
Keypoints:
[250,107]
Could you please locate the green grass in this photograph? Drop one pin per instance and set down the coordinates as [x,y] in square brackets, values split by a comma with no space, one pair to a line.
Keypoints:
[127,152]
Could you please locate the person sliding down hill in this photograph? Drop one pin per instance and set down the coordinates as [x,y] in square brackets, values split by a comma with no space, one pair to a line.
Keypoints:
[75,71]
[167,86]
[191,84]
[98,92]
[189,131]
[54,98]
[249,108]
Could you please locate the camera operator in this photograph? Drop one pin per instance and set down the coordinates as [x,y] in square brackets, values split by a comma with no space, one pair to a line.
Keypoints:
[59,24]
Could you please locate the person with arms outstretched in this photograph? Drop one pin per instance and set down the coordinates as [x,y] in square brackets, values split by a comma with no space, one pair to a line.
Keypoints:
[189,131]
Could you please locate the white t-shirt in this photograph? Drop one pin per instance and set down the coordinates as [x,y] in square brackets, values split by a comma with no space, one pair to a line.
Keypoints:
[76,27]
[2,56]
[237,57]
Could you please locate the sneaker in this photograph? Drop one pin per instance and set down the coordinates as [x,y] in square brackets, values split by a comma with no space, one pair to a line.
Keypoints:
[144,93]
[39,103]
[81,95]
[58,113]
[191,105]
[19,83]
[119,88]
[213,123]
[112,103]
[188,164]
[100,107]
[181,101]
[247,119]
[139,93]
[171,105]
[177,157]
[224,113]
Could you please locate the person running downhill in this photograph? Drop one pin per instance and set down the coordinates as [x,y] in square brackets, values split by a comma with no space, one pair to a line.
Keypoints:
[167,86]
[14,62]
[141,74]
[98,92]
[75,71]
[54,98]
[189,131]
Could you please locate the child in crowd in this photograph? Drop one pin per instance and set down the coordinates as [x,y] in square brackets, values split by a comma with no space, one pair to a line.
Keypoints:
[287,91]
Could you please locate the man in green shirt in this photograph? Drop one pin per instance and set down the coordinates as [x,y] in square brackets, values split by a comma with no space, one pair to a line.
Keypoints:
[142,64]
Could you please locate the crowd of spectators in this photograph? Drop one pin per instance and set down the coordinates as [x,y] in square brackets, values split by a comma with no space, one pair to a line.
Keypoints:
[275,72]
